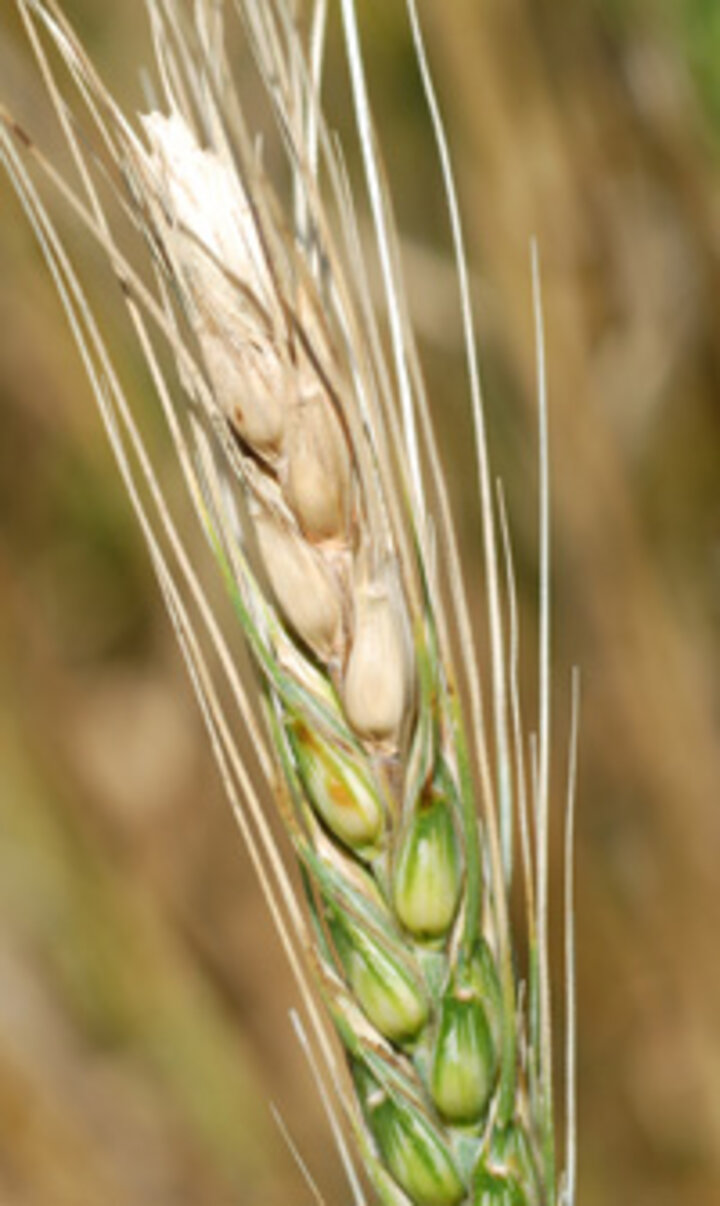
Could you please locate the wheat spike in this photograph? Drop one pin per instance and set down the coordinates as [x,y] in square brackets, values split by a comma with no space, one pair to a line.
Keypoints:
[310,461]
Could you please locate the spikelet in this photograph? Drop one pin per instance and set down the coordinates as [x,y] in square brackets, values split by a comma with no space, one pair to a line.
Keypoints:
[376,689]
[317,477]
[285,430]
[303,585]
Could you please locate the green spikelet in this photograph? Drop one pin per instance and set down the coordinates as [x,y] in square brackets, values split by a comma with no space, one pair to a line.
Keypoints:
[482,977]
[428,872]
[411,1147]
[512,1156]
[491,1190]
[339,788]
[465,1063]
[386,987]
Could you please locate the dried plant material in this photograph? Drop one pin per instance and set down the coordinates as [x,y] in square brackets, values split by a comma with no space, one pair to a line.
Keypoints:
[208,231]
[376,690]
[207,217]
[249,388]
[303,585]
[318,474]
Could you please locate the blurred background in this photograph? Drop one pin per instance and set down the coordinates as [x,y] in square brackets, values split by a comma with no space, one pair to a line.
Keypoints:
[144,998]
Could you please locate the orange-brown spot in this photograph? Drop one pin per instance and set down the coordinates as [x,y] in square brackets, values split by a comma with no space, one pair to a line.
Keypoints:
[340,794]
[430,796]
[21,134]
[306,737]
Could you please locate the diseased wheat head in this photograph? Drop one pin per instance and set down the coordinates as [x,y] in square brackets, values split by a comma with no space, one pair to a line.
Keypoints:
[302,426]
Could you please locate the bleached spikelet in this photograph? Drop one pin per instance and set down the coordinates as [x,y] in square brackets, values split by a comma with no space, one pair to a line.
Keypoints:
[210,232]
[377,687]
[318,473]
[250,387]
[303,585]
[204,204]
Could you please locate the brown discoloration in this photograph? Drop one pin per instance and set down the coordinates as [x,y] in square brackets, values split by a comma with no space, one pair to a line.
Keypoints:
[339,793]
[335,786]
[21,135]
[305,735]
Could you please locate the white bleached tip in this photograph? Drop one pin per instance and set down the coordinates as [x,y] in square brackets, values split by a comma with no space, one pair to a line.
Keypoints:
[202,195]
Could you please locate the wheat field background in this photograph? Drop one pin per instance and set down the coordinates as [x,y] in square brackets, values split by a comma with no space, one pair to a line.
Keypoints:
[144,998]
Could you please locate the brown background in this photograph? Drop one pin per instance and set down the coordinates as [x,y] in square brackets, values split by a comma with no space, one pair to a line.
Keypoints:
[143,995]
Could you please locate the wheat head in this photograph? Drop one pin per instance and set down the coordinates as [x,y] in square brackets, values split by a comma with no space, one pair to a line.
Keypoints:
[308,452]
